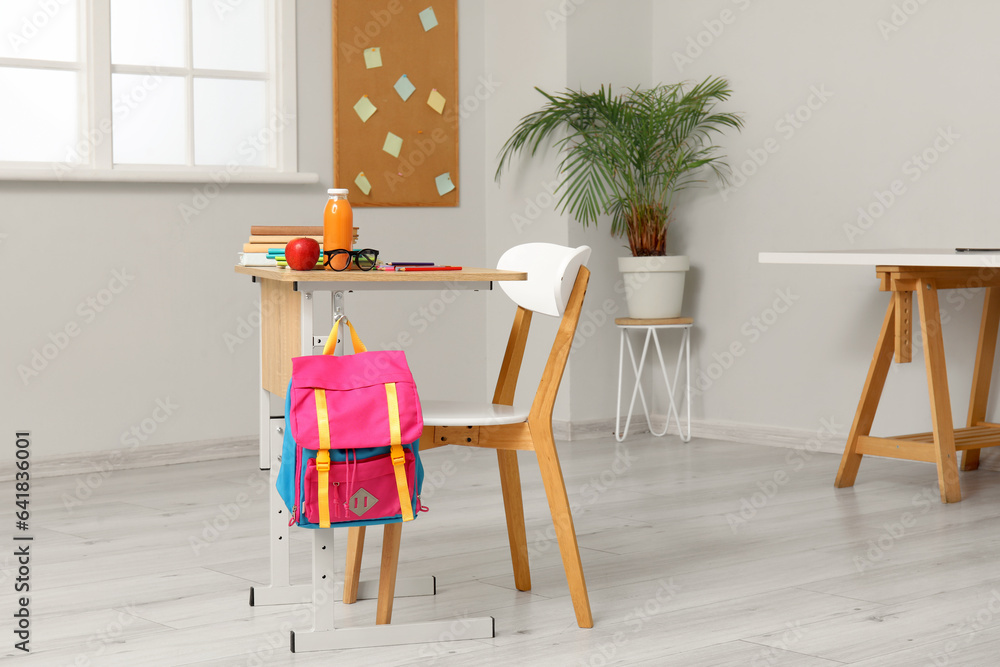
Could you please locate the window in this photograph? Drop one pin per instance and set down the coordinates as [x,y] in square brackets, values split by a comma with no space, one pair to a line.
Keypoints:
[152,90]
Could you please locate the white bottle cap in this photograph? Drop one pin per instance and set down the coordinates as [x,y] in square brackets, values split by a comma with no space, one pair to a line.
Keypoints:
[337,191]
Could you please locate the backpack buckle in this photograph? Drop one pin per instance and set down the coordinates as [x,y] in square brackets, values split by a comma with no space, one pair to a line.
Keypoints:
[323,461]
[398,457]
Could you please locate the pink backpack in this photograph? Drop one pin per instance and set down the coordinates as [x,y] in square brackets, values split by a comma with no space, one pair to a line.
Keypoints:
[352,427]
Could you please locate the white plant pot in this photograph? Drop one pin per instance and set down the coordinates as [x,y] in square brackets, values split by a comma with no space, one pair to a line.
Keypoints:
[654,286]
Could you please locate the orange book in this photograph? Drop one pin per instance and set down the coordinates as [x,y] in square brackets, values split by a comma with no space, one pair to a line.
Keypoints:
[275,230]
[295,231]
[262,247]
[283,239]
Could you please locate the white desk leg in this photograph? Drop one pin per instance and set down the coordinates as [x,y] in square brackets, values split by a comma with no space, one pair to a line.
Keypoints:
[264,426]
[323,576]
[281,591]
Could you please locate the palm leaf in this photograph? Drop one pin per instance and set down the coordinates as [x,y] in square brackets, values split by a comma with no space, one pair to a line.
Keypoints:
[628,155]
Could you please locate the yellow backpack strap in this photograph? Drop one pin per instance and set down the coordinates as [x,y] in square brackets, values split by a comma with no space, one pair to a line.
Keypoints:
[397,452]
[323,458]
[331,341]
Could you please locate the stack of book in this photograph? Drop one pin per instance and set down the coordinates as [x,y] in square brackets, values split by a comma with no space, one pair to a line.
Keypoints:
[279,257]
[266,241]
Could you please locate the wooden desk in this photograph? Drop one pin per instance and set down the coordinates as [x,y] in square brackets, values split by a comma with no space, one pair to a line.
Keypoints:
[901,273]
[282,290]
[287,300]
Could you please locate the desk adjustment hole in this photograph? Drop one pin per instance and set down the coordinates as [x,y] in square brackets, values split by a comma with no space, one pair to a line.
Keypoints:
[468,439]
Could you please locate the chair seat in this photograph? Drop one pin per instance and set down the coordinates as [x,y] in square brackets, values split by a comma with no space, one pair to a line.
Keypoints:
[467,413]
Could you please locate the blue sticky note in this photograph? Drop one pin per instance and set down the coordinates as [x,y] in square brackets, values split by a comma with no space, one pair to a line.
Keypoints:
[428,18]
[444,184]
[404,87]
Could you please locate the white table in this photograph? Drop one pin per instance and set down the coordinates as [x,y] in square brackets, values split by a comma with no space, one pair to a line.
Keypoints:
[652,329]
[924,271]
[287,303]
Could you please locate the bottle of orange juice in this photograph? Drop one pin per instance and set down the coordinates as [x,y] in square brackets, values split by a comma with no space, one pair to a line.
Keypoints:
[338,229]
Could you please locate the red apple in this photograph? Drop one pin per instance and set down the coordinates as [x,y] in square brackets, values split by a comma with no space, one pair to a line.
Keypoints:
[302,254]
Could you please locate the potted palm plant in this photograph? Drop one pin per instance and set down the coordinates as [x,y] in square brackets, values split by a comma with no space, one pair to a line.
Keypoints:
[628,155]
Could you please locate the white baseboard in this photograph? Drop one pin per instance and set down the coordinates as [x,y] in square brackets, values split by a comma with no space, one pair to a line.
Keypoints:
[770,436]
[595,428]
[753,434]
[140,457]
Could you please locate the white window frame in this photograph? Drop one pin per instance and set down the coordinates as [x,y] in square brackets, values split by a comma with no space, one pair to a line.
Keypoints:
[95,109]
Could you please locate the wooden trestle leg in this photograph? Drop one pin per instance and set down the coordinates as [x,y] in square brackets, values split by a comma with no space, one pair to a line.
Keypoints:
[870,395]
[937,385]
[983,372]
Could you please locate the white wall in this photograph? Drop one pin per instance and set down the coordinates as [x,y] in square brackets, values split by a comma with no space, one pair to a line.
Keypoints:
[162,338]
[555,46]
[610,43]
[524,48]
[888,97]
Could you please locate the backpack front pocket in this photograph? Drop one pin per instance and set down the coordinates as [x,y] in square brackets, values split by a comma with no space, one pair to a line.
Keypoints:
[358,489]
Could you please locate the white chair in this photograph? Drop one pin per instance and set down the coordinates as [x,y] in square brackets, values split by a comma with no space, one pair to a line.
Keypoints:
[556,285]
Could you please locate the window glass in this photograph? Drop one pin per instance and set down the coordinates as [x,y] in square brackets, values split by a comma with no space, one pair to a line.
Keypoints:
[39,30]
[149,117]
[38,115]
[230,122]
[230,35]
[148,32]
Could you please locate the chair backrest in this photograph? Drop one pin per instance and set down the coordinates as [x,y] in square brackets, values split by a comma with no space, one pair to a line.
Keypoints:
[552,271]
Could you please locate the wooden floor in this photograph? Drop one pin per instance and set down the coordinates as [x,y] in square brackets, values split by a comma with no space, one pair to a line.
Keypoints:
[153,566]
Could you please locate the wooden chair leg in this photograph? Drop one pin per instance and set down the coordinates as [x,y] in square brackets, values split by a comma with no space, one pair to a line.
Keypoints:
[510,484]
[870,395]
[352,571]
[983,373]
[937,384]
[562,520]
[387,572]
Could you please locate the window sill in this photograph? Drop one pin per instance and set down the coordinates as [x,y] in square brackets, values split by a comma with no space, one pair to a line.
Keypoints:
[218,175]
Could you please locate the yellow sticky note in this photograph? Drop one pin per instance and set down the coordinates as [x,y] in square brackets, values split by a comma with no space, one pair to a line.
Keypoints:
[364,108]
[393,144]
[444,184]
[373,57]
[363,183]
[436,100]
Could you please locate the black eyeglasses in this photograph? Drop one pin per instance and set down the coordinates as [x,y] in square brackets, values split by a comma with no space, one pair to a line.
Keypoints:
[340,260]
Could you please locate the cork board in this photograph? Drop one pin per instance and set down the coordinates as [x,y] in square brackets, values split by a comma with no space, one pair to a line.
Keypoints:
[383,50]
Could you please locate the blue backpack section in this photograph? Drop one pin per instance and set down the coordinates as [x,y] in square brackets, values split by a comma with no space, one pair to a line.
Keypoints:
[286,483]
